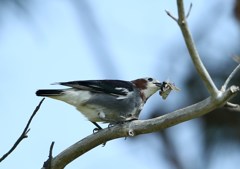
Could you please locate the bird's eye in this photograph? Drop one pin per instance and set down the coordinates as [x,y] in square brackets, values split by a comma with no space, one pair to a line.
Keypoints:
[150,79]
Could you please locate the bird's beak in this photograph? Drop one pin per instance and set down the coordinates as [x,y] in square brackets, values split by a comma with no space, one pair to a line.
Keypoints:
[158,84]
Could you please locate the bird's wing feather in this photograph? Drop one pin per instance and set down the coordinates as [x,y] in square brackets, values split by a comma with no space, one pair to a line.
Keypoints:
[112,87]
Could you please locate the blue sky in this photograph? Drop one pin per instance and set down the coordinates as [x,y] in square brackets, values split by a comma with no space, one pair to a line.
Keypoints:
[52,45]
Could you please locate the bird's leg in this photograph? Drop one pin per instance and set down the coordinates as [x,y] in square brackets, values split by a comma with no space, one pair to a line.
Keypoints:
[95,130]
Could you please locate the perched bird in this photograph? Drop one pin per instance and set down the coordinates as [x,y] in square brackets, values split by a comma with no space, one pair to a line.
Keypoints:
[110,101]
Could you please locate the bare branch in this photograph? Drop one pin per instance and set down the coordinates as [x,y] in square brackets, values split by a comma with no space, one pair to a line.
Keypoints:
[234,72]
[24,133]
[141,127]
[203,73]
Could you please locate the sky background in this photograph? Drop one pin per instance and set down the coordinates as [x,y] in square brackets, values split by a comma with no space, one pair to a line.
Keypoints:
[54,41]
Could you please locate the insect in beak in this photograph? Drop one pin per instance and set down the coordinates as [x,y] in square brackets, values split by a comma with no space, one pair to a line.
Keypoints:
[166,88]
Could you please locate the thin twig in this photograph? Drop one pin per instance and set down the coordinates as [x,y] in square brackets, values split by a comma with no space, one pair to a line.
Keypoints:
[231,105]
[47,164]
[171,16]
[189,10]
[24,133]
[50,150]
[50,155]
[203,73]
[234,72]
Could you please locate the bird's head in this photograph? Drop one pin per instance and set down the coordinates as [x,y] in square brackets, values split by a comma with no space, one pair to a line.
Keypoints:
[148,86]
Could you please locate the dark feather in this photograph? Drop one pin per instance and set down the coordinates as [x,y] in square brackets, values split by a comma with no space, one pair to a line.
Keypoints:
[102,86]
[50,92]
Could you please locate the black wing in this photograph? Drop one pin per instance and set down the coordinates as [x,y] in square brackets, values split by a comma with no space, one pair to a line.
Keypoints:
[113,87]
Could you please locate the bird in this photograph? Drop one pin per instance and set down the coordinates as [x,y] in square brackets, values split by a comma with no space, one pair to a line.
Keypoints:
[107,101]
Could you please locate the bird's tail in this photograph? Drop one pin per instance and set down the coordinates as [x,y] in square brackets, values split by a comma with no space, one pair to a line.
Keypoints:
[49,92]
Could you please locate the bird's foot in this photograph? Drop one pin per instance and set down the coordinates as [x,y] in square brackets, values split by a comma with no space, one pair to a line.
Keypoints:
[98,127]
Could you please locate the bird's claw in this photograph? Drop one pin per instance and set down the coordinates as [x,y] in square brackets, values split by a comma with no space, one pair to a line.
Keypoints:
[95,130]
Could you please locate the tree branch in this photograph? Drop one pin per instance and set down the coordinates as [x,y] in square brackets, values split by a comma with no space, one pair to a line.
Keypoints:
[24,133]
[234,72]
[203,73]
[141,127]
